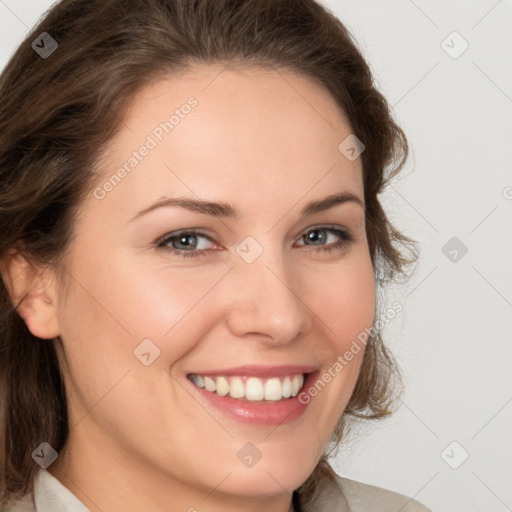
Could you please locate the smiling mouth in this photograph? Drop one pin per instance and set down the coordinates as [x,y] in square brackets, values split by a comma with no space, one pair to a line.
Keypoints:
[252,389]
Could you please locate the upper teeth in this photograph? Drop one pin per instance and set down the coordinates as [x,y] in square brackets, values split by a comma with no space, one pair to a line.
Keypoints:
[251,388]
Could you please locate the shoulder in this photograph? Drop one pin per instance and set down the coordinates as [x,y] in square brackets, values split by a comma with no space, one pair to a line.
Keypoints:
[368,498]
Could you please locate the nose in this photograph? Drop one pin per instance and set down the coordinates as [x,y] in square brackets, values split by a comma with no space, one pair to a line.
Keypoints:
[265,300]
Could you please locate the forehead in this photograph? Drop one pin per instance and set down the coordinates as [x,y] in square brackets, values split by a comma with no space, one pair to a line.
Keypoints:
[214,131]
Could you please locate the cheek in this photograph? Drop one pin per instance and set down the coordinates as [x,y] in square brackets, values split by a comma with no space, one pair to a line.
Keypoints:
[344,300]
[174,307]
[123,304]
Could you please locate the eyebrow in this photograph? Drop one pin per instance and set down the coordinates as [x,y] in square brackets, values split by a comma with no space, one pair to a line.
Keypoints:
[225,210]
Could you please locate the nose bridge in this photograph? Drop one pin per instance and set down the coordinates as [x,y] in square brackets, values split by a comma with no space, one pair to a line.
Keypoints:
[266,300]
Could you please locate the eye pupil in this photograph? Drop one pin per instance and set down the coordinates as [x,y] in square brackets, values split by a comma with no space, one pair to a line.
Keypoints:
[313,237]
[185,240]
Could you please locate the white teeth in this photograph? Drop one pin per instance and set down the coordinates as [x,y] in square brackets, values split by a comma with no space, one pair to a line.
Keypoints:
[222,386]
[209,384]
[236,388]
[287,387]
[273,389]
[296,384]
[253,389]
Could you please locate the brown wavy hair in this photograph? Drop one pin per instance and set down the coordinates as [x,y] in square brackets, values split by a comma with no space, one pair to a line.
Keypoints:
[57,116]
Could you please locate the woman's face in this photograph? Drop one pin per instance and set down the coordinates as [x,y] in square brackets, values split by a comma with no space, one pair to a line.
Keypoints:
[150,303]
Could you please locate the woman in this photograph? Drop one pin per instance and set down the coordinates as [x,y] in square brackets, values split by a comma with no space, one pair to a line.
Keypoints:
[192,244]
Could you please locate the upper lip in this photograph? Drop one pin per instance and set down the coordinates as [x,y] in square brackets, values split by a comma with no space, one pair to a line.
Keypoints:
[261,371]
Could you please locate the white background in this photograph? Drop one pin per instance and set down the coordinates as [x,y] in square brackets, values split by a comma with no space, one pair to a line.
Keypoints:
[453,339]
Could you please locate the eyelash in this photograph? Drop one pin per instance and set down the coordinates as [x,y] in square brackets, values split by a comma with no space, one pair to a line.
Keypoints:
[346,239]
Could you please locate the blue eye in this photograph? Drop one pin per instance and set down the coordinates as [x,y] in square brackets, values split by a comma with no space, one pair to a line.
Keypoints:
[186,243]
[344,235]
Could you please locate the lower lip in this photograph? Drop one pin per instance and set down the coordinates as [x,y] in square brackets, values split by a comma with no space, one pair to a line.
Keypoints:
[259,413]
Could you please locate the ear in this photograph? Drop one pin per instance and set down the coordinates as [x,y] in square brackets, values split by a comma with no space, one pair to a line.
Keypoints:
[35,287]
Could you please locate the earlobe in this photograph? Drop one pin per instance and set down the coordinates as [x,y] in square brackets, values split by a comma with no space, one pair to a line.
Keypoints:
[32,289]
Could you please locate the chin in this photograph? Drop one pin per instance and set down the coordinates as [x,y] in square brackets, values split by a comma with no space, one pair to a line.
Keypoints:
[267,480]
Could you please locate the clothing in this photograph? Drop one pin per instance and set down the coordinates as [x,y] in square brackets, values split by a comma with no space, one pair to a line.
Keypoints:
[344,495]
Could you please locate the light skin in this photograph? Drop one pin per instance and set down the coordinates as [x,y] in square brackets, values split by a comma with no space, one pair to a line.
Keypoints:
[267,144]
